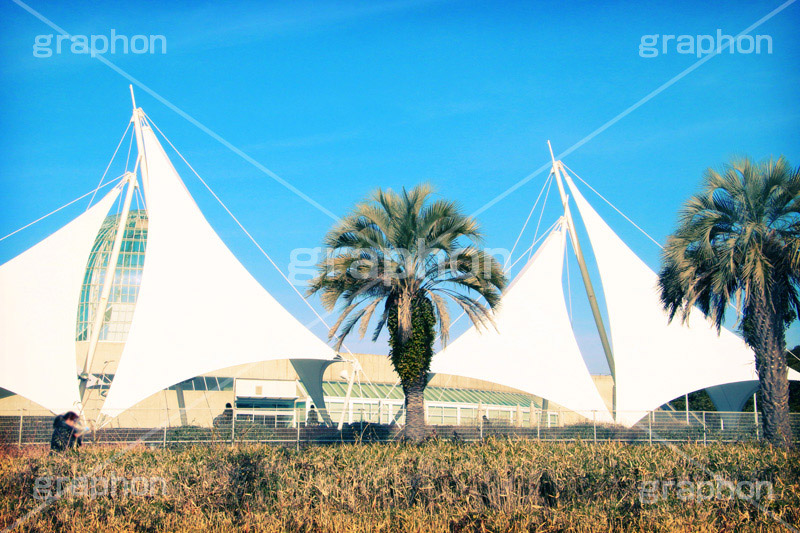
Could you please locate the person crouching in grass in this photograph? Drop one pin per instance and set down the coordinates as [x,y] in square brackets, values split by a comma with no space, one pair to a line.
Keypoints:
[67,433]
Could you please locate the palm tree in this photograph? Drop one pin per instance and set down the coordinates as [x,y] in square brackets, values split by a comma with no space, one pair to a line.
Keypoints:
[738,245]
[404,251]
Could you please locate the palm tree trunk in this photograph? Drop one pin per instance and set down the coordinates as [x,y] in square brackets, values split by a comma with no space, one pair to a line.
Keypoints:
[769,345]
[411,358]
[404,316]
[415,409]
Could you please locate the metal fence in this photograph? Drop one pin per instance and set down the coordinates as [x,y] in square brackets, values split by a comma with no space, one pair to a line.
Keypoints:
[300,427]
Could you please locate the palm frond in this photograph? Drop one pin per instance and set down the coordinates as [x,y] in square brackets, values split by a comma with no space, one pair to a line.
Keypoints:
[739,236]
[405,243]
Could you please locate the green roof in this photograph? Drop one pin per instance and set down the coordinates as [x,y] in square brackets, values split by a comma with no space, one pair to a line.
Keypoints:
[432,394]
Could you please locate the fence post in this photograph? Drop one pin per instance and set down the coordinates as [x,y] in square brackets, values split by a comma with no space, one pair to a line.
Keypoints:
[233,427]
[21,415]
[755,414]
[650,428]
[758,436]
[166,425]
[704,428]
[594,424]
[686,399]
[538,425]
[297,447]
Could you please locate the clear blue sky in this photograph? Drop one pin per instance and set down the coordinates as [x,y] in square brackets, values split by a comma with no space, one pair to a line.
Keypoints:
[339,98]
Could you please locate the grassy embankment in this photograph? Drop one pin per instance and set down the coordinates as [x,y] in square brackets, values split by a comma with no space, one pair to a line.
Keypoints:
[498,485]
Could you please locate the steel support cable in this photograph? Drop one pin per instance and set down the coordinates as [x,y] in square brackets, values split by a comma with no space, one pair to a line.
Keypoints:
[54,211]
[109,164]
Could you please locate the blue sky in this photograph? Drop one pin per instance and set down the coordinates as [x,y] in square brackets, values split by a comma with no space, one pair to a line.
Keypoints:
[339,98]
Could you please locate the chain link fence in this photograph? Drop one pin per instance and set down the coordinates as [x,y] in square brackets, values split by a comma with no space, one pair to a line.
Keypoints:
[299,427]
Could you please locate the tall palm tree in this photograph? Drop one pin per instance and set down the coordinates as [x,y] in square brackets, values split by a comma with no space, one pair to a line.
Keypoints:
[738,244]
[405,251]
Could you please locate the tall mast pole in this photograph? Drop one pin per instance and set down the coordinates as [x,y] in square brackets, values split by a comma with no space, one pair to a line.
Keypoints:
[587,282]
[111,267]
[105,293]
[137,128]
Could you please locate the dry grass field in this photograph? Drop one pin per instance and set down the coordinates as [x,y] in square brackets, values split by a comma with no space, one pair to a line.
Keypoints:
[497,485]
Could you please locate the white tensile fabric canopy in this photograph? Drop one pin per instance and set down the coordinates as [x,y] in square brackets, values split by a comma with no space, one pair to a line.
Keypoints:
[40,291]
[732,396]
[198,308]
[533,348]
[656,360]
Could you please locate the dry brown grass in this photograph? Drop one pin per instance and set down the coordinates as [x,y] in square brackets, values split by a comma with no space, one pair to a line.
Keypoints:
[498,485]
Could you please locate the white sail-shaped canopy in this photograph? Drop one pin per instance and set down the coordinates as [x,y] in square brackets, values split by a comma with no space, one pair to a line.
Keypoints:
[198,309]
[39,297]
[733,396]
[533,348]
[656,360]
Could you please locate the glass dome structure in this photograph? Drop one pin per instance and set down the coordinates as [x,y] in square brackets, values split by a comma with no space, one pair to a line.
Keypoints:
[127,277]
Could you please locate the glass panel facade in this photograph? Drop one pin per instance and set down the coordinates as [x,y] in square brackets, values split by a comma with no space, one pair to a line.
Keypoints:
[208,383]
[127,277]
